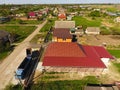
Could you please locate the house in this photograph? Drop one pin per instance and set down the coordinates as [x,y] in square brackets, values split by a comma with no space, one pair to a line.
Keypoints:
[64,24]
[61,35]
[79,30]
[31,14]
[4,39]
[4,19]
[62,16]
[117,19]
[93,30]
[72,57]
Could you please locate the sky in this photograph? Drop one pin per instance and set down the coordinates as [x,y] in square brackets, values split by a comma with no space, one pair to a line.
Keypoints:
[56,1]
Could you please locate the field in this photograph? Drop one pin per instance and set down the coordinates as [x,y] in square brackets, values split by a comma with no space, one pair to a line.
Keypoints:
[21,31]
[59,84]
[24,22]
[115,53]
[83,21]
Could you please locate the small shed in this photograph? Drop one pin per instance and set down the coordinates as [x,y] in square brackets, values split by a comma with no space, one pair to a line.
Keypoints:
[93,30]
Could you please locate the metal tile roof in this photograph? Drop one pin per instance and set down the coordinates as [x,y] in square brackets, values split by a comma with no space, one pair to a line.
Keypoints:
[62,33]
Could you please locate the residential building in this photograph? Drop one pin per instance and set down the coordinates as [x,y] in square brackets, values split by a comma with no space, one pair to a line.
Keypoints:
[93,30]
[62,16]
[72,57]
[61,35]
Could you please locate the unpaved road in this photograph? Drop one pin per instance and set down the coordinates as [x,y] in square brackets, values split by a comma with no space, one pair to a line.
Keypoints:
[10,64]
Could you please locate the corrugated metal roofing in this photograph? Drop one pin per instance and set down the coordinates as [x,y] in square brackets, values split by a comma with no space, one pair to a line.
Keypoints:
[73,61]
[62,33]
[66,49]
[102,52]
[72,54]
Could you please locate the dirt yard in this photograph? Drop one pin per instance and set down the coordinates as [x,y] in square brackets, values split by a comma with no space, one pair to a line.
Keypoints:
[99,40]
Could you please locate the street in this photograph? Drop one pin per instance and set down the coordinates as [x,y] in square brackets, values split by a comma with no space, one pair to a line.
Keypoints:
[10,64]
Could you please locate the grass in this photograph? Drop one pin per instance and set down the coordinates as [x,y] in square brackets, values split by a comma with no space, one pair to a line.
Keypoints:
[83,21]
[37,37]
[24,22]
[4,54]
[59,84]
[65,84]
[48,25]
[115,53]
[21,31]
[117,65]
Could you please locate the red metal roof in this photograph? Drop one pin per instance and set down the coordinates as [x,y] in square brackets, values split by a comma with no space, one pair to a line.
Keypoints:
[66,49]
[102,52]
[73,61]
[72,54]
[31,14]
[62,33]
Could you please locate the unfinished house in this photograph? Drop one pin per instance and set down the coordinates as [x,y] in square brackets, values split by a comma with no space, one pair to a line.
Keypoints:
[72,57]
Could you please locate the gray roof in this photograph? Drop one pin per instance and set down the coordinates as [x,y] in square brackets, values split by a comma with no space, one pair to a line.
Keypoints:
[93,29]
[64,24]
[3,33]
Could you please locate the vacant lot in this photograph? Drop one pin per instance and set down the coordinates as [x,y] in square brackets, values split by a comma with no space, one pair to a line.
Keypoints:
[79,20]
[99,40]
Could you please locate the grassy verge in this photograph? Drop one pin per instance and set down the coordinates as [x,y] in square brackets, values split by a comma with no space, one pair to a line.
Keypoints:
[48,25]
[115,53]
[117,66]
[4,54]
[59,85]
[21,31]
[24,22]
[83,21]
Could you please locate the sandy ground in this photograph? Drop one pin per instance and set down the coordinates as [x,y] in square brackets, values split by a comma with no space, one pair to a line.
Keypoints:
[99,40]
[10,64]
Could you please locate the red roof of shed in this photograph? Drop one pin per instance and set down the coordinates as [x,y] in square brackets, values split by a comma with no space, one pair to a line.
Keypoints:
[62,16]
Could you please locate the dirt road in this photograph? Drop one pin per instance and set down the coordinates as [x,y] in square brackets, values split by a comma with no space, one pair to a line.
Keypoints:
[10,64]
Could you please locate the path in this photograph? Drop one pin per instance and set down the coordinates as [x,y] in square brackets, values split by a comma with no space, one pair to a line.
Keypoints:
[10,64]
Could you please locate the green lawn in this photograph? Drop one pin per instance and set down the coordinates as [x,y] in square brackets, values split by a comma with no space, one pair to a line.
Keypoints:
[24,22]
[115,53]
[21,31]
[48,25]
[117,65]
[59,85]
[83,21]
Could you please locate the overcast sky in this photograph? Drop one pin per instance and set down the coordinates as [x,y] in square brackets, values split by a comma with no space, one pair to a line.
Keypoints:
[56,1]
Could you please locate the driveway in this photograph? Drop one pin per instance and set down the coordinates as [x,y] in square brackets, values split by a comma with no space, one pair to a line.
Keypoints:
[10,64]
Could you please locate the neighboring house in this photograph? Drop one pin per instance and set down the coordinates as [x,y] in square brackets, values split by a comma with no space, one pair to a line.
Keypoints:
[79,30]
[62,16]
[117,19]
[93,30]
[64,24]
[61,35]
[72,57]
[32,14]
[4,39]
[69,18]
[4,19]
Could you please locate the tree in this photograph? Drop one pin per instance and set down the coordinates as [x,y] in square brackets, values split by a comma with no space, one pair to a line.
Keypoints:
[95,14]
[84,27]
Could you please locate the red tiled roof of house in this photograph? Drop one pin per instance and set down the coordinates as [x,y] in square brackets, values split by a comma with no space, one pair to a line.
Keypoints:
[62,16]
[66,49]
[62,33]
